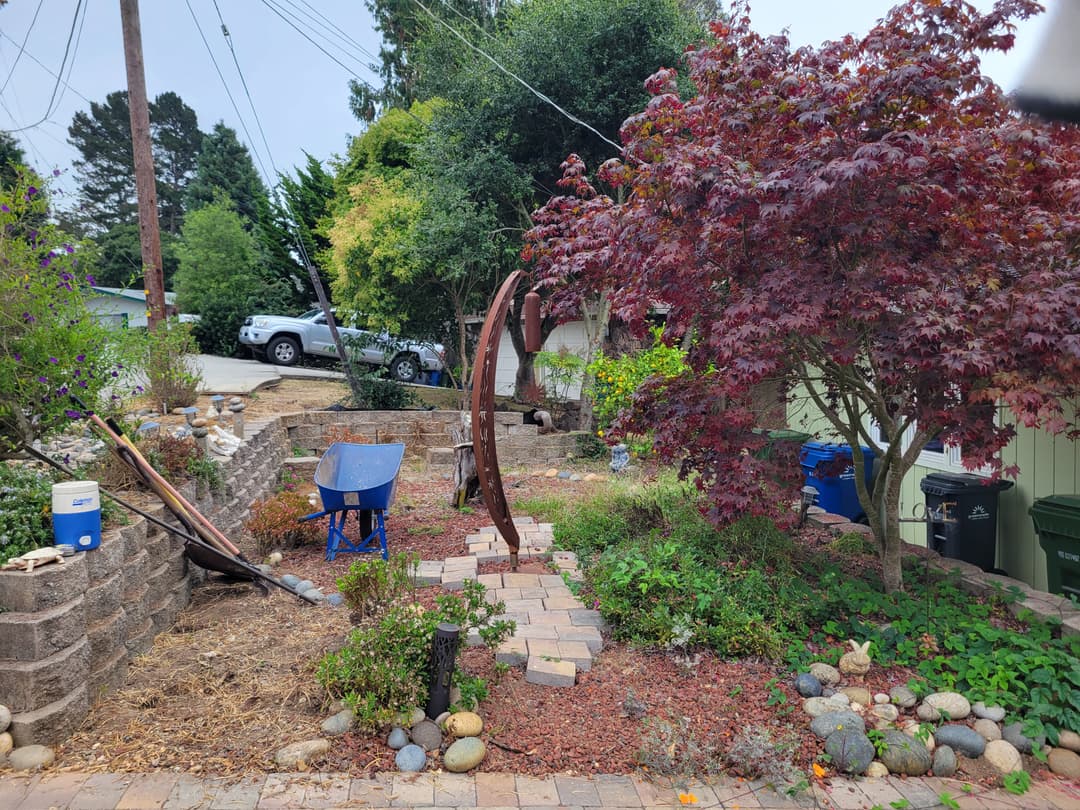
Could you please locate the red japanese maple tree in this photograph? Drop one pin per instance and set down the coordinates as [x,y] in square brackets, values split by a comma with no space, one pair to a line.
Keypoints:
[866,223]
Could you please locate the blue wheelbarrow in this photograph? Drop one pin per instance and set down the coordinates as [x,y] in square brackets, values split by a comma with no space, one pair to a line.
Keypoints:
[359,478]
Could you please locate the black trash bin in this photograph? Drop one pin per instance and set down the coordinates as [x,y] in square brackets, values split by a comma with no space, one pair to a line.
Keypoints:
[971,506]
[1057,522]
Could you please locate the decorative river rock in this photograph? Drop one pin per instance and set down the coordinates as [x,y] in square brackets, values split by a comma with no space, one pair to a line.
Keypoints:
[464,754]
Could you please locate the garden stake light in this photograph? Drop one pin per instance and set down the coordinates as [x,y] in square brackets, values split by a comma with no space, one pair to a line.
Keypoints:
[444,646]
[807,497]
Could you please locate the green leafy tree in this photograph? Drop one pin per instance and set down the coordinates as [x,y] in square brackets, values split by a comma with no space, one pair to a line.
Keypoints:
[176,144]
[116,258]
[50,344]
[403,24]
[220,278]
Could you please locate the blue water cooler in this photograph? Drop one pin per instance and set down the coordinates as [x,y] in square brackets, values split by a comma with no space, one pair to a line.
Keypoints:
[76,508]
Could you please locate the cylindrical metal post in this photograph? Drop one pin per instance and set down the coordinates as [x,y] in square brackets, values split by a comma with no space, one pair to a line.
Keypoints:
[443,652]
[532,321]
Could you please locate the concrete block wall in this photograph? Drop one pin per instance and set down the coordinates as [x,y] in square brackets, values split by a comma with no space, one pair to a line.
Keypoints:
[427,435]
[68,632]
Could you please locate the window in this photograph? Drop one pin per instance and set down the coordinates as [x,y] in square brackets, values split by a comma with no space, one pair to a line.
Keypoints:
[936,455]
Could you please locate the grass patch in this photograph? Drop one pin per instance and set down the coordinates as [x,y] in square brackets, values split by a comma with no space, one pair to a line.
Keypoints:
[545,508]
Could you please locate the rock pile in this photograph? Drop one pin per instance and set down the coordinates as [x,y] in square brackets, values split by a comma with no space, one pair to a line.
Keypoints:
[876,734]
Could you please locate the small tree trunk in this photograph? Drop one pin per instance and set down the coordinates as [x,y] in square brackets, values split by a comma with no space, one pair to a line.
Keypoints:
[892,573]
[466,479]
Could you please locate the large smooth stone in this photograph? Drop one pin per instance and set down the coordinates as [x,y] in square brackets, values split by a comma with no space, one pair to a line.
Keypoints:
[1014,734]
[960,738]
[857,694]
[339,723]
[1003,755]
[952,704]
[292,755]
[829,723]
[905,755]
[987,729]
[6,744]
[464,754]
[817,706]
[886,712]
[29,757]
[944,761]
[807,685]
[427,735]
[411,758]
[1064,762]
[984,712]
[851,751]
[1069,739]
[903,697]
[5,718]
[464,724]
[827,674]
[398,738]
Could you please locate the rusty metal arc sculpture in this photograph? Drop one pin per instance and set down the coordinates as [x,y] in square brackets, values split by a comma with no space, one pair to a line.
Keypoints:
[483,416]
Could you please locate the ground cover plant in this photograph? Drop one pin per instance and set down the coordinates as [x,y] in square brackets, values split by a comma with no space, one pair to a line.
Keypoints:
[665,578]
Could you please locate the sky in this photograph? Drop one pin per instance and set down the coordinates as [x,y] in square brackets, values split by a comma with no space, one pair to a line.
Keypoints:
[299,93]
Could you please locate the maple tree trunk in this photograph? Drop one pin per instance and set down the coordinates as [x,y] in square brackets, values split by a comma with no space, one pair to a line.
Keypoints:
[889,540]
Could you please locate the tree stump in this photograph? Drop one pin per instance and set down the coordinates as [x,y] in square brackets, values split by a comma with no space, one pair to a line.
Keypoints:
[466,479]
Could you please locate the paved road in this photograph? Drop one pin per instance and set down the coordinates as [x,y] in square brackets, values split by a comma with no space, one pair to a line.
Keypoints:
[227,375]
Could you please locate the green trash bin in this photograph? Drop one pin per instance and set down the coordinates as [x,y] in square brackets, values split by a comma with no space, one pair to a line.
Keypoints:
[1057,521]
[792,439]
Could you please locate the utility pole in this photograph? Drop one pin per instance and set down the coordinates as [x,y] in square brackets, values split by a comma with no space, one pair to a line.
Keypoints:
[145,188]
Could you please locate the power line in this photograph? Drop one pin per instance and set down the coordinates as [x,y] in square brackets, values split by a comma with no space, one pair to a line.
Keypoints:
[517,78]
[329,25]
[22,47]
[224,84]
[79,8]
[47,69]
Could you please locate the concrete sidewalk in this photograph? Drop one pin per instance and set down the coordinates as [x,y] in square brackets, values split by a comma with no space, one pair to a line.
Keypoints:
[319,791]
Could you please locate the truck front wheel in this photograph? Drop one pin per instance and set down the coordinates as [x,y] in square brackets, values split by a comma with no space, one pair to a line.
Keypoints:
[283,351]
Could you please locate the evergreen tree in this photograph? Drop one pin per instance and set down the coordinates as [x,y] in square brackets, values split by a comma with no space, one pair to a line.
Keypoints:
[224,166]
[106,168]
[307,200]
[11,157]
[177,141]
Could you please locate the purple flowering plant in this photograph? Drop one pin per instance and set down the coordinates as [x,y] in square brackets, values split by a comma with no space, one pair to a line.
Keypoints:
[49,342]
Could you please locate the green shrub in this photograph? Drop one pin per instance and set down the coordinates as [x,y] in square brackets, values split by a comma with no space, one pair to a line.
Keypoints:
[165,358]
[383,668]
[376,393]
[25,510]
[373,584]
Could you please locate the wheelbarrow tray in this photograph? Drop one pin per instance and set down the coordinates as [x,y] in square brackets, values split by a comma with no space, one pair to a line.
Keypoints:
[358,476]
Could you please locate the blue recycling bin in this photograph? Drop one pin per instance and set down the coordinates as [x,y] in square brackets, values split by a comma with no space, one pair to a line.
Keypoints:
[825,470]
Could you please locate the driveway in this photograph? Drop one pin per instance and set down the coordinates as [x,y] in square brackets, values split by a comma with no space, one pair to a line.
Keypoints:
[228,375]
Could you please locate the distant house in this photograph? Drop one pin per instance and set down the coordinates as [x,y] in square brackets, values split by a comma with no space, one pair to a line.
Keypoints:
[120,307]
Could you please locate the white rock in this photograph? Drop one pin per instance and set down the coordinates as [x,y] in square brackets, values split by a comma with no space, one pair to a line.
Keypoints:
[880,698]
[31,757]
[885,712]
[1003,756]
[291,756]
[953,704]
[6,744]
[988,729]
[877,770]
[5,717]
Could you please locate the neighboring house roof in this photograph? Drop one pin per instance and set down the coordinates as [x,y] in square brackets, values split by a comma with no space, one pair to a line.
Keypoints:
[132,295]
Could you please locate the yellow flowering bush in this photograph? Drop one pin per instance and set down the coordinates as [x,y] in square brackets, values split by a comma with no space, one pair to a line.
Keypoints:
[615,379]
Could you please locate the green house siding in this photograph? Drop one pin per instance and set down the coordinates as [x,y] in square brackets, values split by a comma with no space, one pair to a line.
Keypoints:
[1049,465]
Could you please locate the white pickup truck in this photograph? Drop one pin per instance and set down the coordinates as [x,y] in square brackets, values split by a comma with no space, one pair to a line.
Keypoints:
[284,340]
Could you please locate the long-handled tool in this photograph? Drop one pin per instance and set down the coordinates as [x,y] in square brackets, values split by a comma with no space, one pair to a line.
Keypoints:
[210,549]
[225,562]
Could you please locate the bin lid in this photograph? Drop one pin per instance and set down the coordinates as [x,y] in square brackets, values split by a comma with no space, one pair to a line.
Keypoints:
[943,483]
[1056,514]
